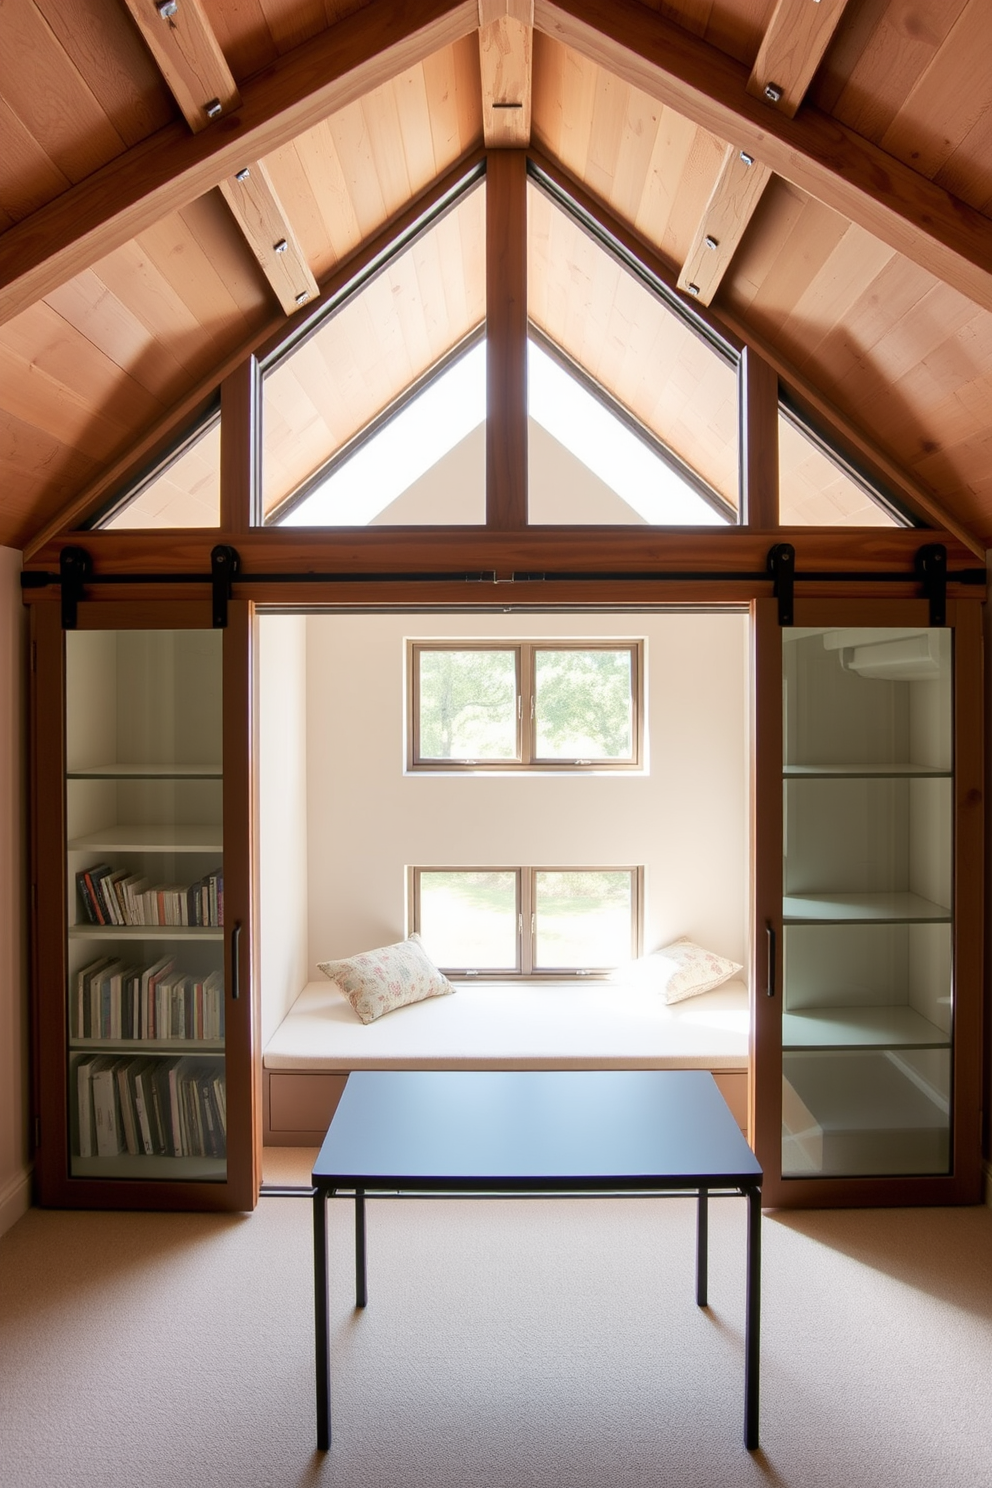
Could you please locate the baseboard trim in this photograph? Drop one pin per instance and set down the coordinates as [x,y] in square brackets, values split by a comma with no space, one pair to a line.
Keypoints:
[15,1200]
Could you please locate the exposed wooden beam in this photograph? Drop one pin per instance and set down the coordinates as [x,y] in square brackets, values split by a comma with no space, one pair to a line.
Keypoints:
[733,199]
[155,440]
[240,453]
[265,223]
[791,50]
[182,41]
[173,166]
[759,440]
[506,47]
[506,339]
[851,439]
[456,550]
[814,151]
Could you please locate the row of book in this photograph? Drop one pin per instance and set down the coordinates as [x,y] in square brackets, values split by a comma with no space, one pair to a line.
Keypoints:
[151,1107]
[109,1000]
[116,896]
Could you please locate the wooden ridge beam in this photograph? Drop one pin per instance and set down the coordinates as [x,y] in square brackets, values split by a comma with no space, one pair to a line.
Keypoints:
[266,225]
[815,152]
[173,167]
[732,201]
[791,50]
[181,39]
[506,50]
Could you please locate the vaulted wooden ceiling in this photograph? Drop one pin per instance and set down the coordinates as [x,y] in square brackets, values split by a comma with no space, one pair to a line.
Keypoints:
[857,256]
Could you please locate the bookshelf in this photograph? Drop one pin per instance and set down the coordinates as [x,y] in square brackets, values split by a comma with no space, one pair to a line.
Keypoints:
[149,1101]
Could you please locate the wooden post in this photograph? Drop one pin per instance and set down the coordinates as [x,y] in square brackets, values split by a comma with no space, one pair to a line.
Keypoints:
[239,455]
[759,441]
[506,345]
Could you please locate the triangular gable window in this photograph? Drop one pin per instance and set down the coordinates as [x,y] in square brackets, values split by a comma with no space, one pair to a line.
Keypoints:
[818,488]
[625,384]
[180,490]
[378,415]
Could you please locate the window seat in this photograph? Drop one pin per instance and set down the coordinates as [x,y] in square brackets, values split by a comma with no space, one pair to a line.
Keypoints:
[497,1025]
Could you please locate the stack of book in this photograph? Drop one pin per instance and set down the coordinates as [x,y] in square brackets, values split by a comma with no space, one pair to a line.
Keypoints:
[109,1000]
[116,896]
[151,1107]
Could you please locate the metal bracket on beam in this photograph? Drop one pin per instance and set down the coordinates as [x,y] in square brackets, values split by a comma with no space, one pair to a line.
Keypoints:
[75,567]
[782,567]
[931,565]
[224,564]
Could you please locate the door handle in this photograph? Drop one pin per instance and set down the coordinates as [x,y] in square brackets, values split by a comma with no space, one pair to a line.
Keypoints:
[235,970]
[770,981]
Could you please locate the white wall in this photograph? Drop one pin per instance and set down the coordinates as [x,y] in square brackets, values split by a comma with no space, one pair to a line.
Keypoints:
[685,819]
[282,826]
[14,1169]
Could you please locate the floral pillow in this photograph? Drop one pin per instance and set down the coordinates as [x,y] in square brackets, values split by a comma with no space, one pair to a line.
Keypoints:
[377,982]
[680,970]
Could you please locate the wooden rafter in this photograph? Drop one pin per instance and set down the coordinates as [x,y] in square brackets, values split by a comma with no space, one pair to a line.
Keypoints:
[173,167]
[733,199]
[181,39]
[506,47]
[814,151]
[266,225]
[791,50]
[192,63]
[793,46]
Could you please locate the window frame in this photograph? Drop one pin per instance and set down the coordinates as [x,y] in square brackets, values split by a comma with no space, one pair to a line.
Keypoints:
[526,758]
[526,911]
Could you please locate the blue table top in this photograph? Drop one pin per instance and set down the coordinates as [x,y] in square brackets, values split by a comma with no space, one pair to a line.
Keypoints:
[506,1130]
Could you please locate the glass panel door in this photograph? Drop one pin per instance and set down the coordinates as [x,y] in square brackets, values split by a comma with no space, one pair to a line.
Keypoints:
[145,880]
[867,909]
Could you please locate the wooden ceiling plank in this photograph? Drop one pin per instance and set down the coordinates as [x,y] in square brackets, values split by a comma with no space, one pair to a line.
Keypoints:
[114,63]
[791,50]
[259,213]
[180,37]
[506,62]
[817,153]
[733,199]
[174,166]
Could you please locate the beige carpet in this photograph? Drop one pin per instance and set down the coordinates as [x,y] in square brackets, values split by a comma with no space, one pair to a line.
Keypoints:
[506,1343]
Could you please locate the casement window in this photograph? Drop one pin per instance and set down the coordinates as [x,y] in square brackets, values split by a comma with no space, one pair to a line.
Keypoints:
[530,705]
[502,922]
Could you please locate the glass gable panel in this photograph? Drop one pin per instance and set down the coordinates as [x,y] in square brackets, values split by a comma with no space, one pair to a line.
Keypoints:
[650,409]
[182,491]
[816,490]
[378,416]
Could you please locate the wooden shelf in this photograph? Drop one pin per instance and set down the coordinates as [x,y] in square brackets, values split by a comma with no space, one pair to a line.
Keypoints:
[150,1046]
[146,932]
[145,772]
[171,1169]
[891,908]
[861,1027]
[171,838]
[887,771]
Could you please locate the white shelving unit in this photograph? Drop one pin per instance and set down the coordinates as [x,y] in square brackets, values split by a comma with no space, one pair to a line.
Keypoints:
[867,907]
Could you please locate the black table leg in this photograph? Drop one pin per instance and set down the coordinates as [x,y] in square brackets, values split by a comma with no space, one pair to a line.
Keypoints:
[752,1326]
[361,1285]
[702,1247]
[321,1321]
